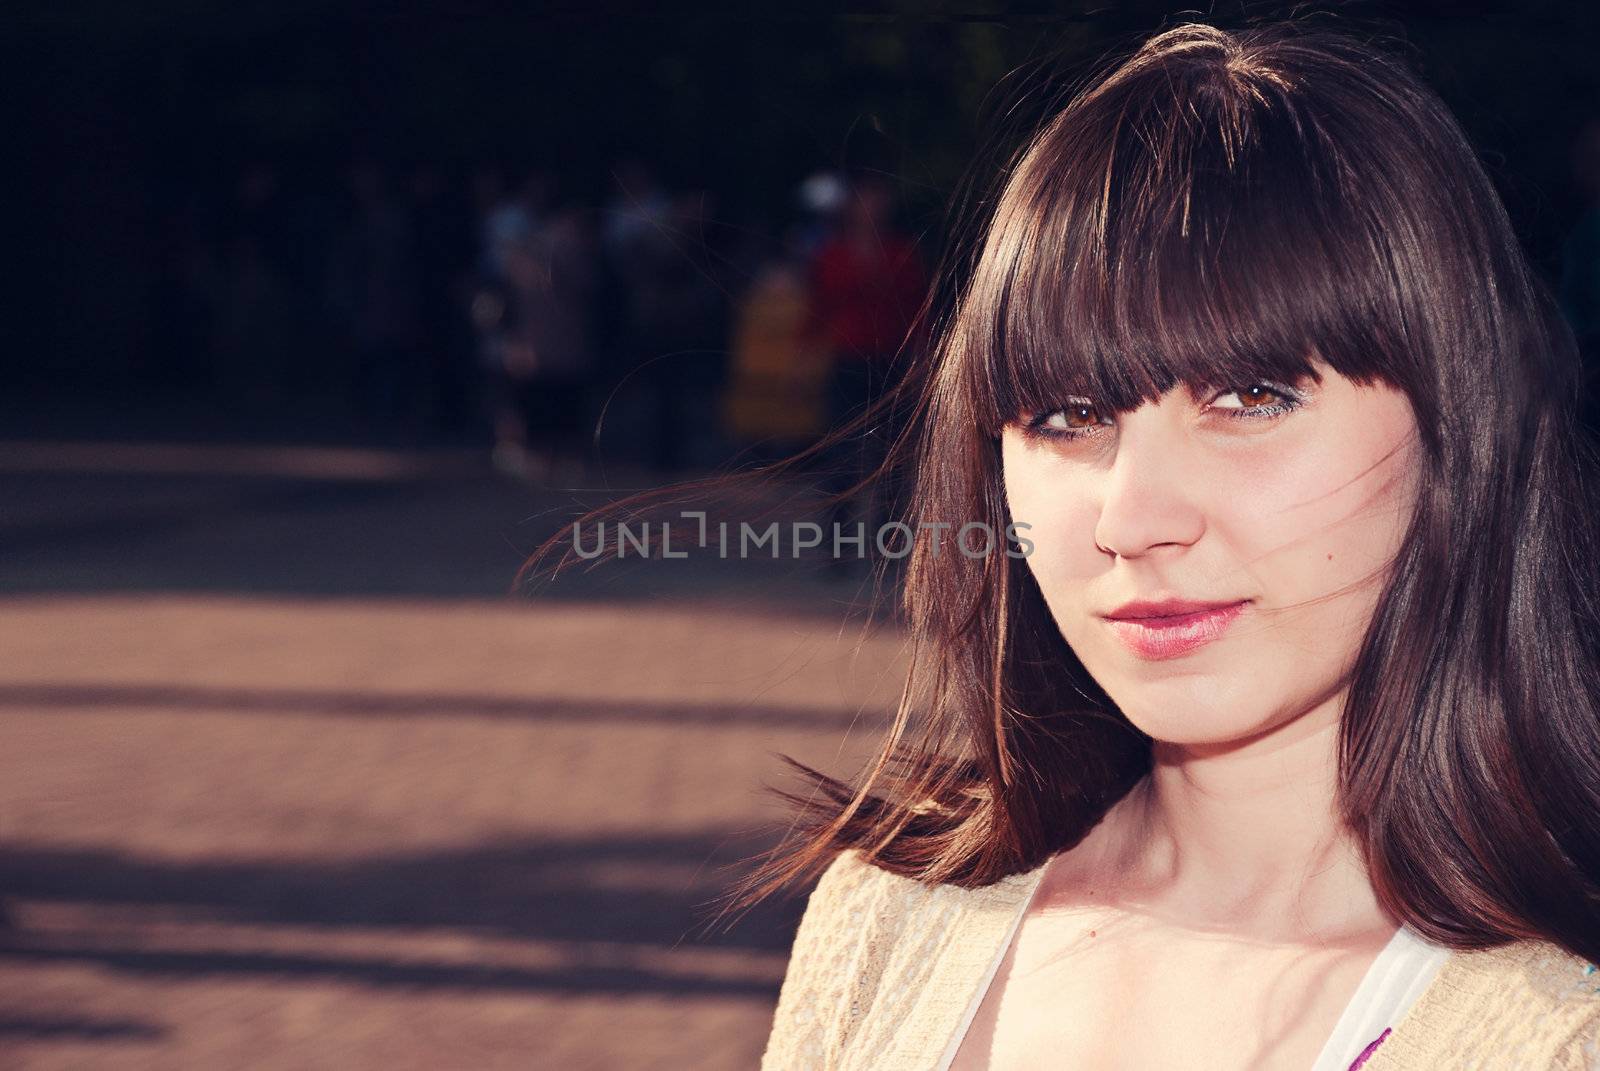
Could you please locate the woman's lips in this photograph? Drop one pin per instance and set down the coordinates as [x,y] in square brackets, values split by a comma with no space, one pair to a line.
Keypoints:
[1169,637]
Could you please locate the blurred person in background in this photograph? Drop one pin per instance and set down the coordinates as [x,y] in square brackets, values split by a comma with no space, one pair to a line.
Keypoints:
[537,343]
[486,190]
[687,332]
[636,248]
[512,214]
[821,197]
[867,282]
[667,343]
[505,225]
[775,401]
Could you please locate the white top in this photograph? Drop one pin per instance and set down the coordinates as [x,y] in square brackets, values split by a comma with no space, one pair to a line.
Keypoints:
[1397,977]
[1393,983]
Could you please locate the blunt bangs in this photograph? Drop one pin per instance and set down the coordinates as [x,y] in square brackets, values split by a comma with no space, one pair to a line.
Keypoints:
[1201,229]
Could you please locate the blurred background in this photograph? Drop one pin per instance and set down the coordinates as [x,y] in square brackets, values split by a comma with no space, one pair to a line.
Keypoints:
[319,318]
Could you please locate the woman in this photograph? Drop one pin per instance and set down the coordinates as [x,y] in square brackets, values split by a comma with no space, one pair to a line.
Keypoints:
[1276,744]
[1249,331]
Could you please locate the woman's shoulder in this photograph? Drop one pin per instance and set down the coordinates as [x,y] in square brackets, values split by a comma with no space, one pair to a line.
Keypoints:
[852,917]
[846,878]
[870,944]
[1528,1003]
[856,899]
[852,878]
[846,915]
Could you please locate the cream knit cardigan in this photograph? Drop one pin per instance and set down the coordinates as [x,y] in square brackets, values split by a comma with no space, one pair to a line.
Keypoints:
[883,968]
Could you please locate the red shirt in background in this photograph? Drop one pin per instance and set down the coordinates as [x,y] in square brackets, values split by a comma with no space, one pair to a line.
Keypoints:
[864,300]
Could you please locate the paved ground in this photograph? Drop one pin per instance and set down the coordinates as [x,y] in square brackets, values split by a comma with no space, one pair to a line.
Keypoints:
[288,781]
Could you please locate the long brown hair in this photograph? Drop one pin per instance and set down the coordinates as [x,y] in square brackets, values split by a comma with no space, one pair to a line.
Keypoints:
[1219,207]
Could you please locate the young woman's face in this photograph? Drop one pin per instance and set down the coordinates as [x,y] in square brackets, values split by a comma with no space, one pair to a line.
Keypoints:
[1288,500]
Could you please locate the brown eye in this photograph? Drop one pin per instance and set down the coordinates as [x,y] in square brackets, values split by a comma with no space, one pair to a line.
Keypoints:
[1074,420]
[1255,396]
[1259,401]
[1081,416]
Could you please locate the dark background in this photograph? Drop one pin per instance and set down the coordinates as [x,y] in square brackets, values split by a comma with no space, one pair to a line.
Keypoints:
[129,127]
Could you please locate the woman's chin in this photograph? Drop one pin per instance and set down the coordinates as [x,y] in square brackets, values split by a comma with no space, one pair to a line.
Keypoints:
[1192,716]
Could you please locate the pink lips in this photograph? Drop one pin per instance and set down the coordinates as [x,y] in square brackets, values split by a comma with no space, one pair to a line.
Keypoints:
[1173,627]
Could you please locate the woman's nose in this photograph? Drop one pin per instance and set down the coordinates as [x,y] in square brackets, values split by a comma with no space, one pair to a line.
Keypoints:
[1148,497]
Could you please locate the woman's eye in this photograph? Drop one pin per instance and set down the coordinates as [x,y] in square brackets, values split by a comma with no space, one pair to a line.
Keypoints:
[1073,420]
[1254,396]
[1074,416]
[1259,401]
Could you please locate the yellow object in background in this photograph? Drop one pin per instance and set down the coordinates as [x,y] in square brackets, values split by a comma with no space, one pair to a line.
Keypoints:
[778,381]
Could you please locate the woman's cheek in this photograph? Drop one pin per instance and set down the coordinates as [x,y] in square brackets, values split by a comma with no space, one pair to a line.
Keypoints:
[1061,527]
[1269,506]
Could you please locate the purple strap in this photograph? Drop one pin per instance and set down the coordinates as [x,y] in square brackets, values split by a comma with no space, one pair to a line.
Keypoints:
[1370,1049]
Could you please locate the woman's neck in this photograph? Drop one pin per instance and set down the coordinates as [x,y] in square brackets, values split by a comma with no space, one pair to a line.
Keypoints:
[1245,838]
